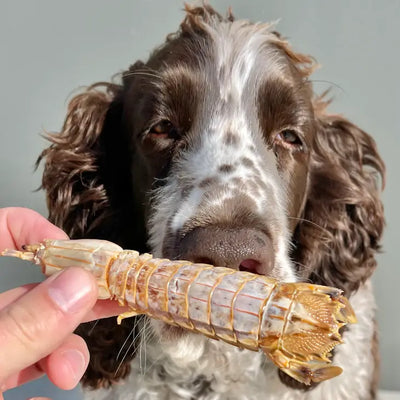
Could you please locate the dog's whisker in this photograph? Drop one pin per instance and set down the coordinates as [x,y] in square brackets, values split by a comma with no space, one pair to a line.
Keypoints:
[131,332]
[123,358]
[142,343]
[311,223]
[328,82]
[144,347]
[153,336]
[139,334]
[134,340]
[92,327]
[141,73]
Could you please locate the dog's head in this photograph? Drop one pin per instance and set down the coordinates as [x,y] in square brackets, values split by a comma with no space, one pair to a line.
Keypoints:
[216,150]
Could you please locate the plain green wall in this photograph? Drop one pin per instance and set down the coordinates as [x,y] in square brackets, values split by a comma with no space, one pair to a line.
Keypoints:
[49,48]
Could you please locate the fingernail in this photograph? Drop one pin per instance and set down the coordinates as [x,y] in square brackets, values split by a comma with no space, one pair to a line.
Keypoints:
[71,290]
[38,398]
[76,362]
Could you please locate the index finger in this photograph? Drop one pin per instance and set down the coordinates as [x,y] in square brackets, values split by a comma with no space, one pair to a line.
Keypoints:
[102,308]
[105,309]
[19,226]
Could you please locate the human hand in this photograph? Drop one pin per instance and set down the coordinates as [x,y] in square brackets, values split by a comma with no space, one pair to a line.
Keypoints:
[37,320]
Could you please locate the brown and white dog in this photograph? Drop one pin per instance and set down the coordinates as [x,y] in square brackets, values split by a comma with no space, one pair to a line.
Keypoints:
[217,150]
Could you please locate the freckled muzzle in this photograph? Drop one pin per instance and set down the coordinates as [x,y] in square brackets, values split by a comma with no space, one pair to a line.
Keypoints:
[235,221]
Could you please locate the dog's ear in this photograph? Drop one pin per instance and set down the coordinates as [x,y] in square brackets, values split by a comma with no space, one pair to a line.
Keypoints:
[87,172]
[343,218]
[76,196]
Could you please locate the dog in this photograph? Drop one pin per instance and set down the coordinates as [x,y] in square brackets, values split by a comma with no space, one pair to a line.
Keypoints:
[217,150]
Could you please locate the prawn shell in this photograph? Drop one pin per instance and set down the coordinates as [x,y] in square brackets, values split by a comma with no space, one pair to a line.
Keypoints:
[295,324]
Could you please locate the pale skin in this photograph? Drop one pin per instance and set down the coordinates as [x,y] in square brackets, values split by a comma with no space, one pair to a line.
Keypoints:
[37,320]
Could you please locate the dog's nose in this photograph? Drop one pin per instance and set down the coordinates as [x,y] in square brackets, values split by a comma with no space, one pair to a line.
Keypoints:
[243,249]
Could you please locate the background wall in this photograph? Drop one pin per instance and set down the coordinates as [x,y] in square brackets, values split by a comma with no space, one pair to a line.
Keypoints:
[48,48]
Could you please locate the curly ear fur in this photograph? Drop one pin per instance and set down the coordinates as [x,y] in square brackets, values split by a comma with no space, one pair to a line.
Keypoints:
[75,196]
[336,242]
[83,184]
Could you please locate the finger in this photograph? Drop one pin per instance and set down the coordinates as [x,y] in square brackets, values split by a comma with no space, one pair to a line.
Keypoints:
[39,321]
[26,375]
[19,226]
[66,365]
[105,309]
[102,308]
[12,295]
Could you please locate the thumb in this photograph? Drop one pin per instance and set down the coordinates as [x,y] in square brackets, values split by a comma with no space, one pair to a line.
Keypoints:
[38,322]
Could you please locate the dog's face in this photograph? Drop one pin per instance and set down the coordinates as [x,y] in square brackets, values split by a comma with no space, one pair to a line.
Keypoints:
[222,125]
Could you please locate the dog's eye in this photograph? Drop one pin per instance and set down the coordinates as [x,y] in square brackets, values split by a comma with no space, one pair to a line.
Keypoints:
[289,137]
[164,129]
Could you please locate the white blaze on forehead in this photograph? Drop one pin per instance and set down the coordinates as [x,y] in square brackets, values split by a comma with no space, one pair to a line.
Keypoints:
[238,47]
